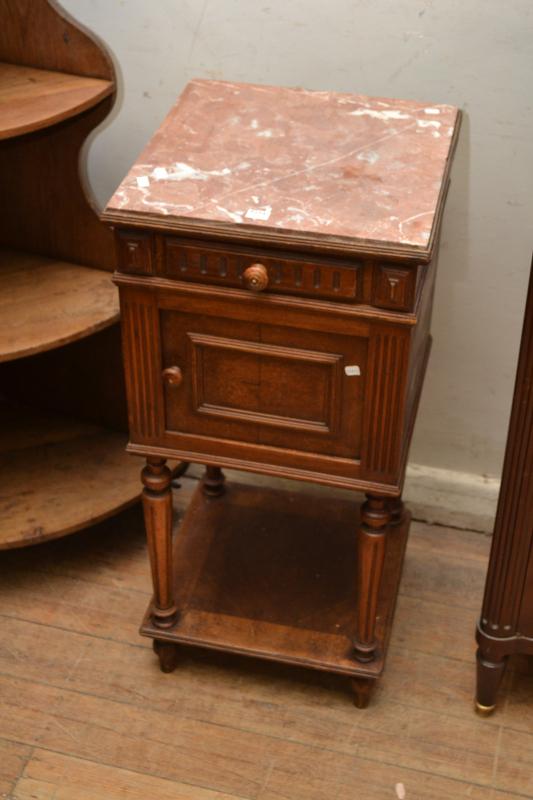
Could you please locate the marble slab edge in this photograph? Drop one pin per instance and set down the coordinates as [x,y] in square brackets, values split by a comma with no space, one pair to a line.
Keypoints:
[262,235]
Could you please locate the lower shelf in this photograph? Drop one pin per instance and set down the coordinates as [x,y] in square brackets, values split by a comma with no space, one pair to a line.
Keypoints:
[58,476]
[271,573]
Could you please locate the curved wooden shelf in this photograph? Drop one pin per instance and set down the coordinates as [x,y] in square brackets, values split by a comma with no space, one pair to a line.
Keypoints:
[31,99]
[46,303]
[59,476]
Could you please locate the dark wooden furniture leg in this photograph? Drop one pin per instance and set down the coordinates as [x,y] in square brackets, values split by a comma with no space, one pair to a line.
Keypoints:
[505,626]
[213,481]
[397,510]
[179,470]
[157,506]
[489,678]
[362,690]
[375,519]
[167,653]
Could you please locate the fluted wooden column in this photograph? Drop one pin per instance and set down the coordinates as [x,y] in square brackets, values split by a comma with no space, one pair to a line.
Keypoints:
[506,623]
[375,519]
[157,505]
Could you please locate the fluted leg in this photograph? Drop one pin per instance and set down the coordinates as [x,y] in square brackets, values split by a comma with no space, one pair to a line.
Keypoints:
[375,518]
[157,505]
[489,678]
[213,481]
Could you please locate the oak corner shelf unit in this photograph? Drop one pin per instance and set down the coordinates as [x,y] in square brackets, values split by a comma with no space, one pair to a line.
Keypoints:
[62,413]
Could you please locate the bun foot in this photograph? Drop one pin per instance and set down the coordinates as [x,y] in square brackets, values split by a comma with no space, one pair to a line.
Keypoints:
[168,655]
[362,690]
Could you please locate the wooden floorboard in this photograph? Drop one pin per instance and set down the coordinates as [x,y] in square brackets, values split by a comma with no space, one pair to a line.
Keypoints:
[86,713]
[13,759]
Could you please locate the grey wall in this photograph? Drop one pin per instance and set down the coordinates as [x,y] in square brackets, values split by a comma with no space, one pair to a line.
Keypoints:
[473,53]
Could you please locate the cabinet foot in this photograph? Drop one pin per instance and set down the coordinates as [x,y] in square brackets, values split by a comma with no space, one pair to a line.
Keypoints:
[489,678]
[362,691]
[168,655]
[483,711]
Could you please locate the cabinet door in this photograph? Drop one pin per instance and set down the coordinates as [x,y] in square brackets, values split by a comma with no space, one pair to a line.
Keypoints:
[263,382]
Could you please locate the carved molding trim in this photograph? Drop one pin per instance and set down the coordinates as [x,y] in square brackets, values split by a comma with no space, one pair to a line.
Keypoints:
[140,333]
[383,418]
[332,362]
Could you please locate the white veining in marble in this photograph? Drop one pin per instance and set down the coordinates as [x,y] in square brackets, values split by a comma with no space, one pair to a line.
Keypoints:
[295,160]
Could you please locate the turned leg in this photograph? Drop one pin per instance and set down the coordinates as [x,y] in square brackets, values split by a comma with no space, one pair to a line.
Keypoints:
[213,481]
[489,678]
[375,518]
[168,655]
[362,691]
[397,511]
[157,506]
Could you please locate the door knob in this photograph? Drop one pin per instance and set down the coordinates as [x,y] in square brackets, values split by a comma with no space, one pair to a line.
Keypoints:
[256,277]
[172,376]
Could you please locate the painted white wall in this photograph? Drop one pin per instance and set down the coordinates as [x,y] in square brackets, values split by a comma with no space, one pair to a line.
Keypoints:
[473,53]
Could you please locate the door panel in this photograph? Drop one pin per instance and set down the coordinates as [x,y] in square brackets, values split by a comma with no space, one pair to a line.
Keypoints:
[264,383]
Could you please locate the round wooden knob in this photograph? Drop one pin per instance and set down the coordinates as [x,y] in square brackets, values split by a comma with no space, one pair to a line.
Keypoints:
[172,376]
[256,277]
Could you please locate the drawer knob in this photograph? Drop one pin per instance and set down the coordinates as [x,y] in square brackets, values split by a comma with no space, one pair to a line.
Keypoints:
[256,277]
[172,376]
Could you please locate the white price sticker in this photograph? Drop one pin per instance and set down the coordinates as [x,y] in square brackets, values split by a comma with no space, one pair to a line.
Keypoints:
[352,369]
[262,213]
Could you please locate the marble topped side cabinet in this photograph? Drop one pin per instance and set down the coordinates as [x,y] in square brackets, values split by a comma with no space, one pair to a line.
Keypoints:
[277,253]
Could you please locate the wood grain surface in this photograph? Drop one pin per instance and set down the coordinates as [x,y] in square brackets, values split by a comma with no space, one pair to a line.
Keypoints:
[41,34]
[31,99]
[85,711]
[291,595]
[45,303]
[72,474]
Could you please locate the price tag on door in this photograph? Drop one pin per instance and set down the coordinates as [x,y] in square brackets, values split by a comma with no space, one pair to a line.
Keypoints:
[352,369]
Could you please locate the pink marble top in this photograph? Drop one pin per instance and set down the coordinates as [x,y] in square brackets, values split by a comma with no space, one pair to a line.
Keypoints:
[306,164]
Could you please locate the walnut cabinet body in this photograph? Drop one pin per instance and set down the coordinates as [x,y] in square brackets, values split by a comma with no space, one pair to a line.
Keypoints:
[285,353]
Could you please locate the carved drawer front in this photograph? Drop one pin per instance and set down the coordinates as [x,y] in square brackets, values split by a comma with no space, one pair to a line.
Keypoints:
[225,266]
[394,287]
[262,383]
[134,252]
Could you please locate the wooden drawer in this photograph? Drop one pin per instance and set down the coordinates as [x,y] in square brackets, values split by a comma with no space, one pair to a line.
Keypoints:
[389,286]
[226,266]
